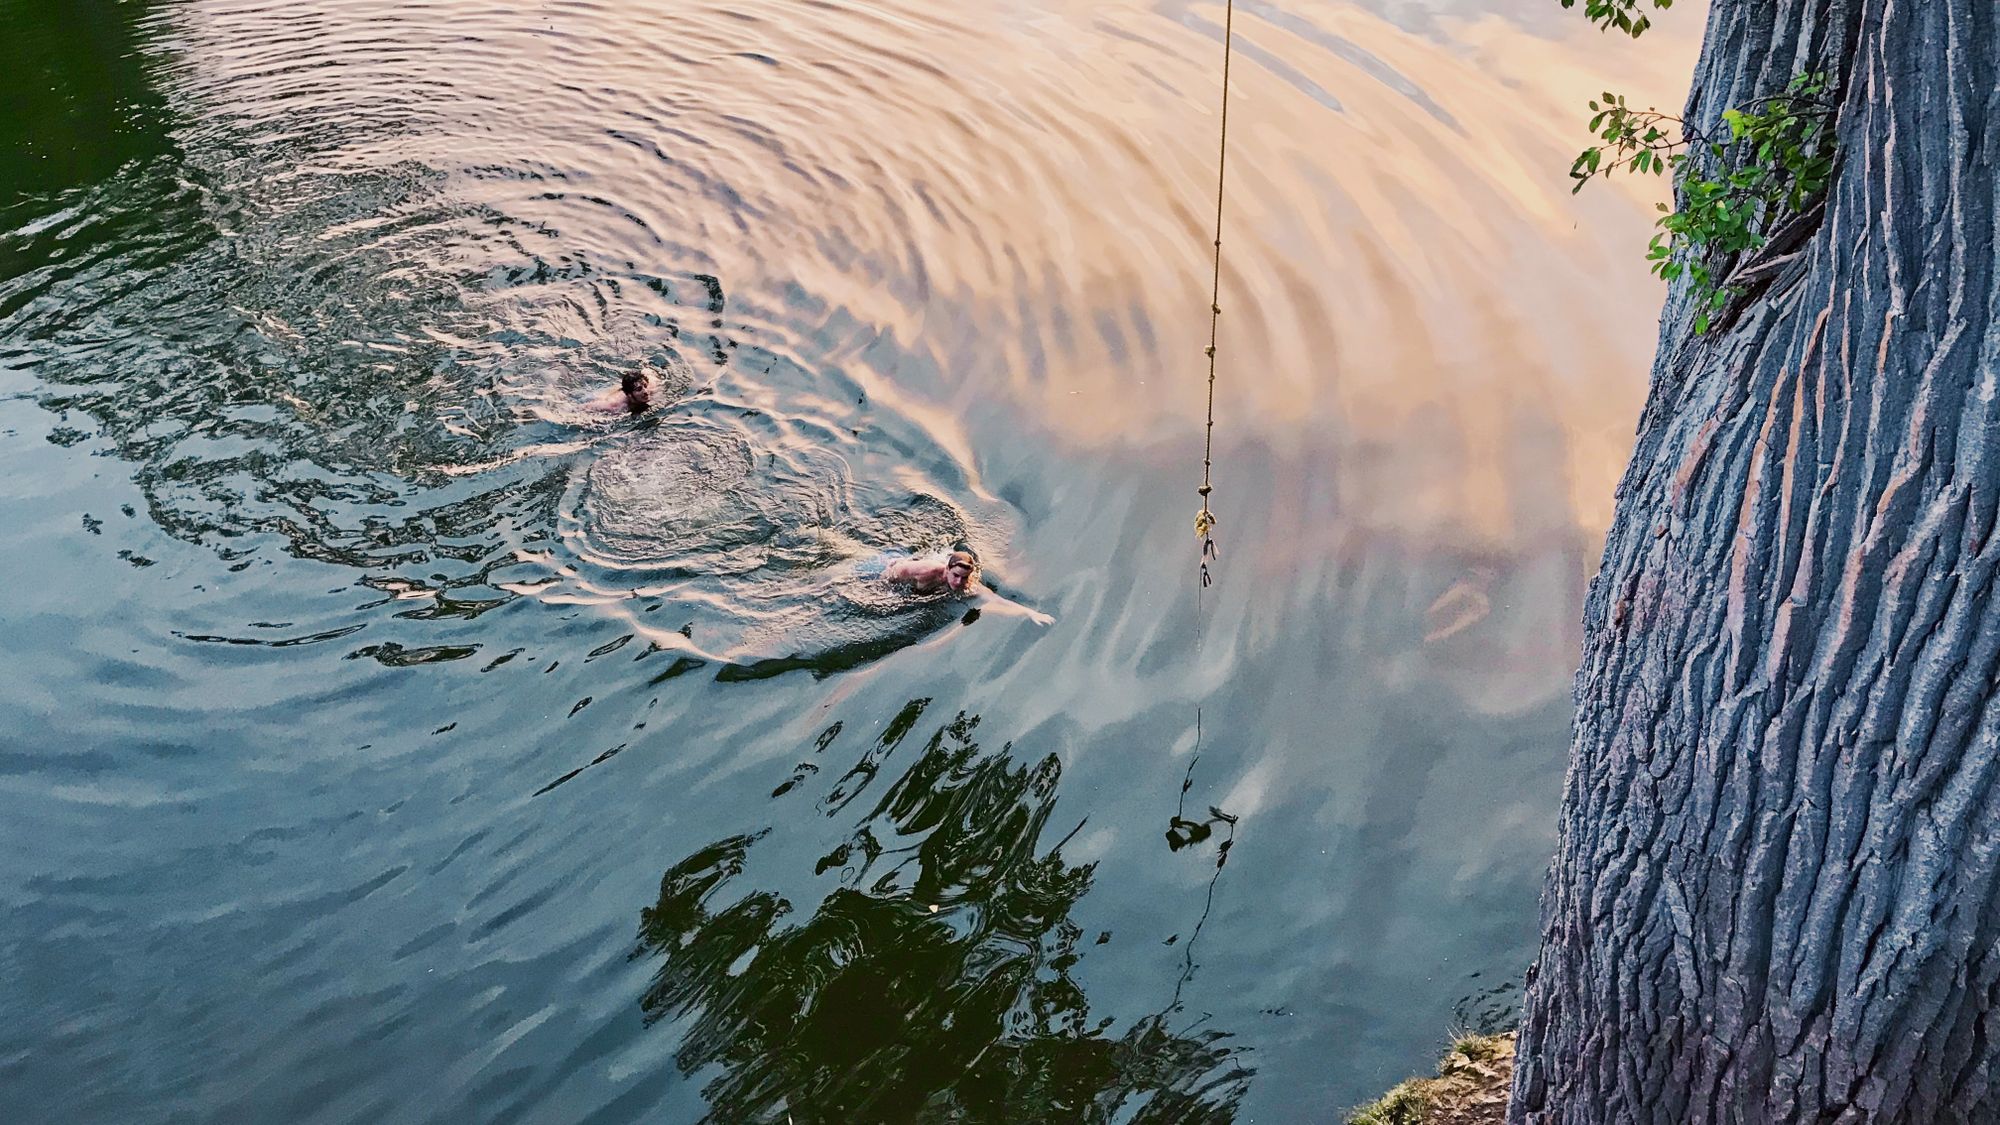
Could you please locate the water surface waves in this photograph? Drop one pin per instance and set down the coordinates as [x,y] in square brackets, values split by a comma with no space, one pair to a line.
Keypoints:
[391,736]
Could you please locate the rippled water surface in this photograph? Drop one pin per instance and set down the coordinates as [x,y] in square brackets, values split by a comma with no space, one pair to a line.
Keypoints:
[388,736]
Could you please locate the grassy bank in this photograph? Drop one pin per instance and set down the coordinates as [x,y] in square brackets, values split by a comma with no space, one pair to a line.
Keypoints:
[1470,1088]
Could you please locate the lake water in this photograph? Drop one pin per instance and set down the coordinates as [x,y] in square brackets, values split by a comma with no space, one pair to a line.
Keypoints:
[386,737]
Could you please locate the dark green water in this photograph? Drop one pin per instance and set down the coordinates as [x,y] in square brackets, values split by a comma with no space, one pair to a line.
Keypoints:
[385,737]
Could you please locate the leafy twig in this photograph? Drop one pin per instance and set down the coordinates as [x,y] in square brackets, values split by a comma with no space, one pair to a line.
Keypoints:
[1772,157]
[1625,15]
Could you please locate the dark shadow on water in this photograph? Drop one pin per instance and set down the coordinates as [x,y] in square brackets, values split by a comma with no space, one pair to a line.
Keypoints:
[935,982]
[79,99]
[922,620]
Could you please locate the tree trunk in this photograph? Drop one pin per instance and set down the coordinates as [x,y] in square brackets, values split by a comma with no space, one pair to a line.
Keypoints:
[1777,891]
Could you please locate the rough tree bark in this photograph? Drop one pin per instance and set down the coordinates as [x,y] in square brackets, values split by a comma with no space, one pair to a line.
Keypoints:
[1777,891]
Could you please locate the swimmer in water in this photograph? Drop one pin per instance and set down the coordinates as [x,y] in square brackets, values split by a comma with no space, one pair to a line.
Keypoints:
[633,396]
[958,573]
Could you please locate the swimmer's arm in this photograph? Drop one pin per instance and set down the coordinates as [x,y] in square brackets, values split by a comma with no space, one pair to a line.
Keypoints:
[986,601]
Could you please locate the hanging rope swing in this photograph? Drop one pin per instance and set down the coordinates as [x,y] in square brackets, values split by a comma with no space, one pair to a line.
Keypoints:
[1181,831]
[1204,520]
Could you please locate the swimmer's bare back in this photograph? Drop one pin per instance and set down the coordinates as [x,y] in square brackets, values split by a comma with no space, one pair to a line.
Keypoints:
[929,576]
[954,572]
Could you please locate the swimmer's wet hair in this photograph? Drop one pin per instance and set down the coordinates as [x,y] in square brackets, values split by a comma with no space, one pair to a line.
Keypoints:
[632,382]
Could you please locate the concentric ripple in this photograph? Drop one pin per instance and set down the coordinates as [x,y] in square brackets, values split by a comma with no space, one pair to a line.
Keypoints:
[857,222]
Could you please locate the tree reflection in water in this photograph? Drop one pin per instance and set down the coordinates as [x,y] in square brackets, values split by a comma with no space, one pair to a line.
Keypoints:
[934,983]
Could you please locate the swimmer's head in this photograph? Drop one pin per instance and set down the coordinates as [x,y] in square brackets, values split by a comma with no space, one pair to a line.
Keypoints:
[638,390]
[959,568]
